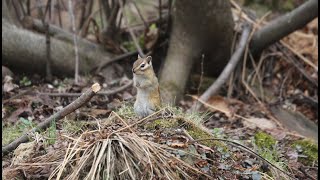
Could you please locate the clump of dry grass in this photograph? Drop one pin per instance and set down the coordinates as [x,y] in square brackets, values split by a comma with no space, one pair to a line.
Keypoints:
[114,150]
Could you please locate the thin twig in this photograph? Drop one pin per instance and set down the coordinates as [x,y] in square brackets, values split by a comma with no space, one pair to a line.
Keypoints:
[103,93]
[139,13]
[201,75]
[76,72]
[28,7]
[83,99]
[22,9]
[307,61]
[48,49]
[133,36]
[59,14]
[227,70]
[169,17]
[117,58]
[306,11]
[291,59]
[160,13]
[47,30]
[100,13]
[282,85]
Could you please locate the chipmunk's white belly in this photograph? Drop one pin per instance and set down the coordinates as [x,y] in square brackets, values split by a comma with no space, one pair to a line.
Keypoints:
[142,106]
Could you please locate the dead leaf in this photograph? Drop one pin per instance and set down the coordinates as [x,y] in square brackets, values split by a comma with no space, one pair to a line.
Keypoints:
[6,72]
[178,144]
[8,84]
[23,152]
[97,112]
[126,96]
[151,36]
[219,103]
[201,163]
[261,123]
[15,115]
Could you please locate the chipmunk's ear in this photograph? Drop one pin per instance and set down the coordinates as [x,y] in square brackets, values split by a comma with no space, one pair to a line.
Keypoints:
[149,59]
[139,56]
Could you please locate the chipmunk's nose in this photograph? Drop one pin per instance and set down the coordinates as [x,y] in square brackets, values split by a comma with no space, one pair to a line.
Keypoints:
[133,70]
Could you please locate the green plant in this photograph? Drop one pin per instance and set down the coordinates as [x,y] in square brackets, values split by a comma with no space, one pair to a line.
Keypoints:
[25,81]
[52,133]
[267,147]
[307,148]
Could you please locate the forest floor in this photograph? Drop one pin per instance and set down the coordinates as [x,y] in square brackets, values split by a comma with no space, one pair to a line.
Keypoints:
[239,122]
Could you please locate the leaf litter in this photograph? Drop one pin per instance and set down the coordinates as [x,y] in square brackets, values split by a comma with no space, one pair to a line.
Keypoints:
[95,150]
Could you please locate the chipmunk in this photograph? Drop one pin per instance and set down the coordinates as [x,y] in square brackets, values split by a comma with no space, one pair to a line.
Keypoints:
[146,82]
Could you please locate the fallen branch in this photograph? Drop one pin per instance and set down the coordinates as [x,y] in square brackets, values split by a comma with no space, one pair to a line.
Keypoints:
[284,25]
[83,99]
[25,50]
[223,77]
[103,93]
[55,31]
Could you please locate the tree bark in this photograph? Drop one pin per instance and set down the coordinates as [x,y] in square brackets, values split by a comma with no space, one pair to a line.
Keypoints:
[199,27]
[25,50]
[284,25]
[7,14]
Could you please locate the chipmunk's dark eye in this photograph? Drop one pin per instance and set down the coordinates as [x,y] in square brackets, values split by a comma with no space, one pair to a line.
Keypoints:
[142,65]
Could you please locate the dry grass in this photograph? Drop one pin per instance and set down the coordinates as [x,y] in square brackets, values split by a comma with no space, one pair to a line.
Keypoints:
[114,150]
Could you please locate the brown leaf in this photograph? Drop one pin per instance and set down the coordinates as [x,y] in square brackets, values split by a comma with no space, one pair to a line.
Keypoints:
[219,103]
[23,152]
[178,144]
[97,112]
[261,123]
[201,163]
[151,37]
[8,84]
[15,115]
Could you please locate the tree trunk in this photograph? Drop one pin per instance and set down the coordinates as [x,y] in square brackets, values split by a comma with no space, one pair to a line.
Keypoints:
[199,27]
[25,50]
[6,13]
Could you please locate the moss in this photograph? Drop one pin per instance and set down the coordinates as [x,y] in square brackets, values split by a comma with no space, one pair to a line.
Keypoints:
[162,123]
[287,5]
[308,149]
[10,133]
[126,111]
[198,133]
[72,127]
[263,140]
[266,146]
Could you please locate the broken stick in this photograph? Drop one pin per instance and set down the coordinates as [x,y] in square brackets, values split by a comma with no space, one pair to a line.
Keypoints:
[83,99]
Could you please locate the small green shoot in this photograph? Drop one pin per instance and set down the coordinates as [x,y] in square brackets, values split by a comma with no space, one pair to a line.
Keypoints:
[52,133]
[25,81]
